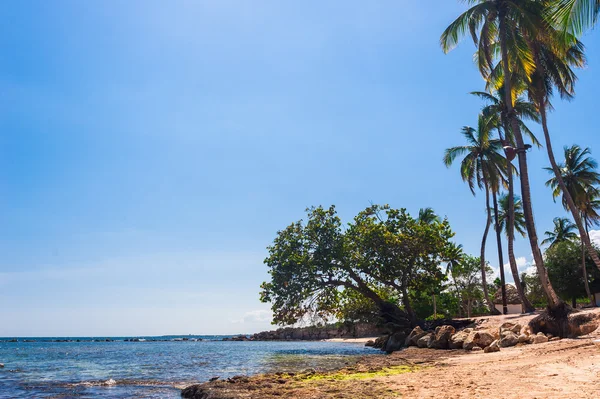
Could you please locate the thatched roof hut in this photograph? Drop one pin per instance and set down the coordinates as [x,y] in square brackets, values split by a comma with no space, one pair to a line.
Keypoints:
[512,296]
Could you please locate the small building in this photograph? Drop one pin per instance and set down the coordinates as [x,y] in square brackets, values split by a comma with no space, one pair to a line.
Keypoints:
[513,301]
[595,290]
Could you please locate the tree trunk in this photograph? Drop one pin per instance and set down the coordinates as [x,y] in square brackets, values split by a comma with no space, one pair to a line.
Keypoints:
[527,307]
[486,294]
[434,308]
[500,255]
[408,308]
[585,275]
[566,195]
[574,302]
[553,299]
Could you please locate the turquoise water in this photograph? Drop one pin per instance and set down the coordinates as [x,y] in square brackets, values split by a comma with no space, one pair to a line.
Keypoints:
[150,369]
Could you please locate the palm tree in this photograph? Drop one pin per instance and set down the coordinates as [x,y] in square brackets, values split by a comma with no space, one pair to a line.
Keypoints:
[428,216]
[590,216]
[554,56]
[498,27]
[496,112]
[575,16]
[580,178]
[519,226]
[564,230]
[482,165]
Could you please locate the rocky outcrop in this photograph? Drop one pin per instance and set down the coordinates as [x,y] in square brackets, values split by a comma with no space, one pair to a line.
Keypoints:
[347,330]
[441,337]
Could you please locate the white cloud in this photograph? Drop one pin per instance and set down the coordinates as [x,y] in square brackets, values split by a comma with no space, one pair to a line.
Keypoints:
[255,316]
[595,236]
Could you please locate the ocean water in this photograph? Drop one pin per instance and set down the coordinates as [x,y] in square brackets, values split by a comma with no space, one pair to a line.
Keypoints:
[150,369]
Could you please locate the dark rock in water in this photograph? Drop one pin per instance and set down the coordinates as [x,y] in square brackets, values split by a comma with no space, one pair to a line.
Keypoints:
[395,342]
[370,343]
[441,337]
[1,365]
[199,392]
[380,342]
[214,379]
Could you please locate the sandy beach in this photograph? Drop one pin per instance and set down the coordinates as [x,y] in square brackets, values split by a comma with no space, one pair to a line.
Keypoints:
[566,368]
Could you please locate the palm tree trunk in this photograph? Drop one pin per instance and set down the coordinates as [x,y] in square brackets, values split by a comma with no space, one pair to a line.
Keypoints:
[566,195]
[500,256]
[585,275]
[553,299]
[486,294]
[510,231]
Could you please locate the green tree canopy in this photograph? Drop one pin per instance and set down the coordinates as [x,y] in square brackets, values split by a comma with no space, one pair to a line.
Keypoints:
[311,262]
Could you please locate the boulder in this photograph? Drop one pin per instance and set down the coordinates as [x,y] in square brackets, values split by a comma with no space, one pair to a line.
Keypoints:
[414,336]
[423,342]
[478,338]
[554,339]
[441,337]
[380,342]
[457,340]
[493,347]
[507,327]
[200,392]
[509,339]
[523,339]
[395,342]
[476,349]
[540,338]
[370,343]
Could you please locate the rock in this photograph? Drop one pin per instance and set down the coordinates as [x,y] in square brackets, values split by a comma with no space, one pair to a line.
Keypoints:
[476,349]
[370,343]
[493,347]
[554,339]
[423,342]
[199,392]
[380,342]
[478,338]
[1,365]
[457,340]
[441,337]
[414,336]
[509,339]
[395,342]
[539,339]
[510,327]
[523,339]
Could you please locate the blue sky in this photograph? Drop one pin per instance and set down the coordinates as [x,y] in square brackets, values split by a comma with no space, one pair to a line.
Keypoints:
[148,154]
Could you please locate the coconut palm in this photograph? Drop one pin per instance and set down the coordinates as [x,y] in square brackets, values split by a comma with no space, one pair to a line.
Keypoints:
[519,226]
[575,16]
[497,115]
[578,172]
[499,29]
[554,57]
[482,166]
[428,216]
[580,178]
[564,230]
